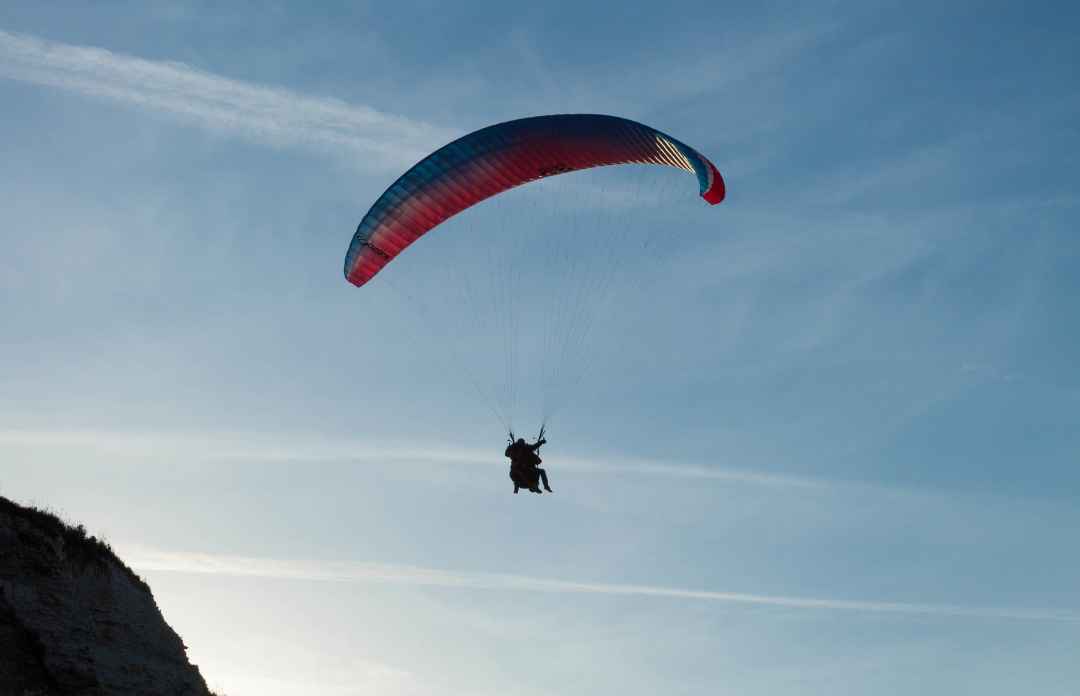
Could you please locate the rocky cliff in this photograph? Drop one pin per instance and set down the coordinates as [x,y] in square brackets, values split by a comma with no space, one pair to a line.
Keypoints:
[74,620]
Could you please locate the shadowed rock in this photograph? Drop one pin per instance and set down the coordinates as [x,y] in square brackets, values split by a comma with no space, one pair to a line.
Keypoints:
[74,620]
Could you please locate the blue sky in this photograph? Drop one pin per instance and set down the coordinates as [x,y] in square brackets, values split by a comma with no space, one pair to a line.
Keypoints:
[829,438]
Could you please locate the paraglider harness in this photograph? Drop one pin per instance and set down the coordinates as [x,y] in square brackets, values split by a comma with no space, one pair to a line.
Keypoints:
[523,470]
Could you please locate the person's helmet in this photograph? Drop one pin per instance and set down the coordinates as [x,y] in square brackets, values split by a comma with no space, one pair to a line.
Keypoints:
[521,441]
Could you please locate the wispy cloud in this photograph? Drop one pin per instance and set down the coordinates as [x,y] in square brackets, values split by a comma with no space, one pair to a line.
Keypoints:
[267,115]
[151,560]
[263,447]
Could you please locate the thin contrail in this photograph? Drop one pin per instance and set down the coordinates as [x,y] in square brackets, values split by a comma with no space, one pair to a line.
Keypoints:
[269,115]
[329,571]
[265,448]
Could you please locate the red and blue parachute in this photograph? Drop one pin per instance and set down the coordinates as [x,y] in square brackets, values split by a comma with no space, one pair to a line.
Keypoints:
[500,157]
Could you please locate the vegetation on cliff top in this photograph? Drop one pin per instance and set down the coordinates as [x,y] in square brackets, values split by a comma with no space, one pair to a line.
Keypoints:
[79,547]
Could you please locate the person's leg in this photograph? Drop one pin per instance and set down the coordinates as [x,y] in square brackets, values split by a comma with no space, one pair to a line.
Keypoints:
[543,477]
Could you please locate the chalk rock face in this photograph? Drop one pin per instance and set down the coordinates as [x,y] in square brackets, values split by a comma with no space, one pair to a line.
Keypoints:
[75,621]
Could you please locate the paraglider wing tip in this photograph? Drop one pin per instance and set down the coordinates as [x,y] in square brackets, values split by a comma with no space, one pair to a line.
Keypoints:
[355,278]
[716,191]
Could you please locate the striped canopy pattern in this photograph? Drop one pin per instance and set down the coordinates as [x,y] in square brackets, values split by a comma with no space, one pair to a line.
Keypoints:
[499,157]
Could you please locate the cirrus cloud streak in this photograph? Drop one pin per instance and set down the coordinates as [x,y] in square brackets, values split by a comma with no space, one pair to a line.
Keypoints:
[267,115]
[144,559]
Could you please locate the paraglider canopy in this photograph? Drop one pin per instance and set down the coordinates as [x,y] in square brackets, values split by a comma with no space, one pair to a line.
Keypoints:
[499,157]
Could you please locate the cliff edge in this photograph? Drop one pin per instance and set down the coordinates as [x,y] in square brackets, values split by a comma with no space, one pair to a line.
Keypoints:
[76,621]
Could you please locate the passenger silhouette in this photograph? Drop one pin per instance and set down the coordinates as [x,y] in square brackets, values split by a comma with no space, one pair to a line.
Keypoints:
[525,469]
